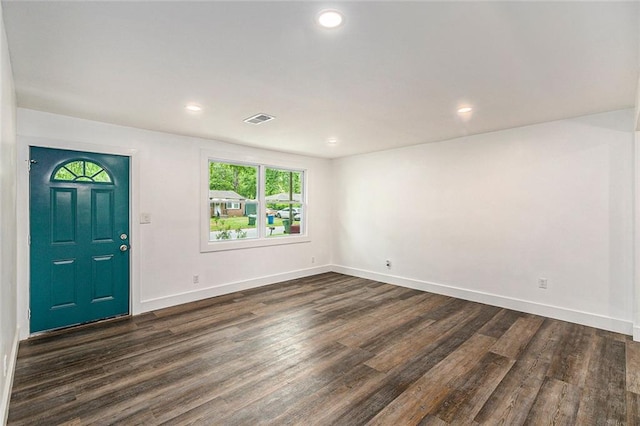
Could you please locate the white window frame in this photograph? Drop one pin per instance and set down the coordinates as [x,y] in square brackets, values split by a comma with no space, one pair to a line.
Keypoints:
[262,240]
[233,205]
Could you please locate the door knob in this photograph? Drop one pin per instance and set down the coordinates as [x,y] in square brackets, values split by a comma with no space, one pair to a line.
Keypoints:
[124,247]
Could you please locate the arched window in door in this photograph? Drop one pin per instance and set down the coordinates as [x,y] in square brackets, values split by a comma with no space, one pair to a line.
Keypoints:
[81,171]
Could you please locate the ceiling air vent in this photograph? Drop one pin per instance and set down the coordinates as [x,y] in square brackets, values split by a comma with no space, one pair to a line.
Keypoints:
[259,119]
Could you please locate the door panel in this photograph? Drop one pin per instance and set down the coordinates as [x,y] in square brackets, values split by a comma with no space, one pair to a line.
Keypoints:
[102,217]
[102,278]
[79,209]
[63,211]
[64,284]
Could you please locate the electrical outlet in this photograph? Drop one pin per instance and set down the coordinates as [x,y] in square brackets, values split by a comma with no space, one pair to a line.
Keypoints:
[196,279]
[542,283]
[388,264]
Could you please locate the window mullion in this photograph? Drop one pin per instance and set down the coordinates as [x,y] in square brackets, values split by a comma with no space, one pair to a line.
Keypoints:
[262,207]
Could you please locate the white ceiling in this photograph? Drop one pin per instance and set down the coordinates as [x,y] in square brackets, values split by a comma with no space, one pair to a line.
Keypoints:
[392,75]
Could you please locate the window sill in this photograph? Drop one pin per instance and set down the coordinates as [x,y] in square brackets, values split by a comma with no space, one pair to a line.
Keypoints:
[211,246]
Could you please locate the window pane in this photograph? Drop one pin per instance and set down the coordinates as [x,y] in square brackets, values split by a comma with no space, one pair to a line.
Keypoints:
[77,168]
[64,174]
[283,197]
[232,201]
[91,169]
[81,171]
[102,176]
[279,222]
[283,185]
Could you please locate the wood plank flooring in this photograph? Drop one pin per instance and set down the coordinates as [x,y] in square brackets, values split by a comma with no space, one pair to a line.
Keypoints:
[328,350]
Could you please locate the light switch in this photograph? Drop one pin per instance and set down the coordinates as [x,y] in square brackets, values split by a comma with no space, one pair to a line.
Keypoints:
[145,217]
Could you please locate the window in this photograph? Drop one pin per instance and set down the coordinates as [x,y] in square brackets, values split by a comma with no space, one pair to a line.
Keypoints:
[252,205]
[283,198]
[81,171]
[230,186]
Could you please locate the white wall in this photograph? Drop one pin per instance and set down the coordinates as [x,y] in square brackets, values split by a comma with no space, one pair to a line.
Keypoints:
[637,109]
[166,183]
[637,105]
[636,274]
[8,331]
[483,217]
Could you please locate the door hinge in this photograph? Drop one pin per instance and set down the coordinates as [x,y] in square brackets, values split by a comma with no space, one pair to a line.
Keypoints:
[30,162]
[29,239]
[29,313]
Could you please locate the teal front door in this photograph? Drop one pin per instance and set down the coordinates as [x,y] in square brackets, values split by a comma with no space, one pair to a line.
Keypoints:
[79,231]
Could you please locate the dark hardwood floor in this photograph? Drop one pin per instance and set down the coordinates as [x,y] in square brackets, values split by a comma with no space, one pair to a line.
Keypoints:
[329,350]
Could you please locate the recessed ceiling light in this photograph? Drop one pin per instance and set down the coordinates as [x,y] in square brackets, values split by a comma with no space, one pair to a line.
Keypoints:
[464,110]
[332,141]
[330,18]
[193,107]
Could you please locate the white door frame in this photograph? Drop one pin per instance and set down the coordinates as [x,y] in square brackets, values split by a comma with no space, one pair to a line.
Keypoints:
[22,202]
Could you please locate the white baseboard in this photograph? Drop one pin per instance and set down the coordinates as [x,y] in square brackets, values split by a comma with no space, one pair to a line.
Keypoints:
[636,333]
[11,368]
[556,312]
[192,296]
